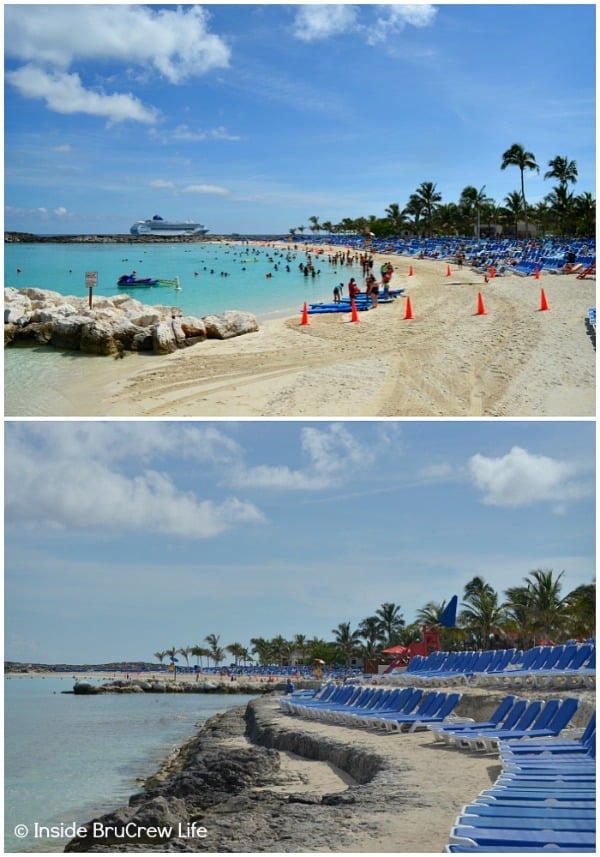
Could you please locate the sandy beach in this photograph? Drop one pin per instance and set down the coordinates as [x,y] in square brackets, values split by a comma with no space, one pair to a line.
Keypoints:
[514,360]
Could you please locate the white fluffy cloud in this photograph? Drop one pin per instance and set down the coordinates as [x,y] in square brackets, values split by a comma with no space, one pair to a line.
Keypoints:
[173,42]
[318,22]
[83,475]
[332,456]
[520,478]
[376,23]
[65,93]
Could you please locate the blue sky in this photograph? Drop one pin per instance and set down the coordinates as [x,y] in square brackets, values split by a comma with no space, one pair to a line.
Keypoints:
[124,538]
[253,118]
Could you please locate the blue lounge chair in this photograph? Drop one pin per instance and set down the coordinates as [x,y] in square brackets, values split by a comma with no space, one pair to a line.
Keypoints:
[585,745]
[516,838]
[521,715]
[553,718]
[443,731]
[441,707]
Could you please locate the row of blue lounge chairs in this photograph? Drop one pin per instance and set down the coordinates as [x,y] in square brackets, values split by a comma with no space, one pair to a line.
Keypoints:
[545,799]
[513,718]
[395,710]
[563,666]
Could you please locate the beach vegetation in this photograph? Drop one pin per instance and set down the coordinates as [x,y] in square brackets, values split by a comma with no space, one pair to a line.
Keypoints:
[560,212]
[346,641]
[523,616]
[517,156]
[391,622]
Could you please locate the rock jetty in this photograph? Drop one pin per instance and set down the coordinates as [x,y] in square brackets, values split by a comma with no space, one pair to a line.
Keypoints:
[124,686]
[113,325]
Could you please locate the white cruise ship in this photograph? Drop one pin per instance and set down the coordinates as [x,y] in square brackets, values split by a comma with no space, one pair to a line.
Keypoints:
[167,228]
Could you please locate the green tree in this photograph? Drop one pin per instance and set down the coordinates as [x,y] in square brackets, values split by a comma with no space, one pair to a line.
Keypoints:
[216,652]
[481,612]
[563,169]
[396,218]
[516,156]
[581,605]
[236,650]
[186,652]
[519,615]
[472,202]
[430,199]
[391,622]
[346,641]
[160,656]
[549,611]
[585,212]
[514,208]
[562,206]
[314,224]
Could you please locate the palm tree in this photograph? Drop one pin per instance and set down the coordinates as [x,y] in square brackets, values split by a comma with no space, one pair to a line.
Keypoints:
[171,653]
[370,629]
[585,210]
[563,169]
[430,197]
[472,200]
[481,612]
[516,156]
[300,644]
[216,652]
[186,652]
[160,656]
[200,652]
[391,622]
[562,206]
[581,604]
[346,640]
[549,610]
[518,614]
[396,218]
[514,208]
[414,208]
[263,649]
[314,224]
[237,650]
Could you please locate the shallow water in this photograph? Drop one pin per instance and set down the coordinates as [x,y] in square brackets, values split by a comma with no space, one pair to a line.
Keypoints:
[70,758]
[39,381]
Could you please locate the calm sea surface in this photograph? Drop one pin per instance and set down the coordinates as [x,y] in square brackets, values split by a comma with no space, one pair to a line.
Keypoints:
[71,758]
[213,278]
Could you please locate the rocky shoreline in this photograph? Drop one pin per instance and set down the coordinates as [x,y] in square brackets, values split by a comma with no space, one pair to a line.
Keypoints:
[226,781]
[231,788]
[124,686]
[111,325]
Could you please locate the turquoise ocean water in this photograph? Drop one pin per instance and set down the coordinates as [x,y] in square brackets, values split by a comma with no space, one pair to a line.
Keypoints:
[70,758]
[200,268]
[36,380]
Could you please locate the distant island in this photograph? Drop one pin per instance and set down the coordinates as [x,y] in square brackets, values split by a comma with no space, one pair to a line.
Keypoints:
[120,666]
[117,238]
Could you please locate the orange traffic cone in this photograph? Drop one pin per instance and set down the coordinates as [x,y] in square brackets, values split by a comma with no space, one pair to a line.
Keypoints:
[410,271]
[543,302]
[537,273]
[354,312]
[305,314]
[448,272]
[409,313]
[480,306]
[492,272]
